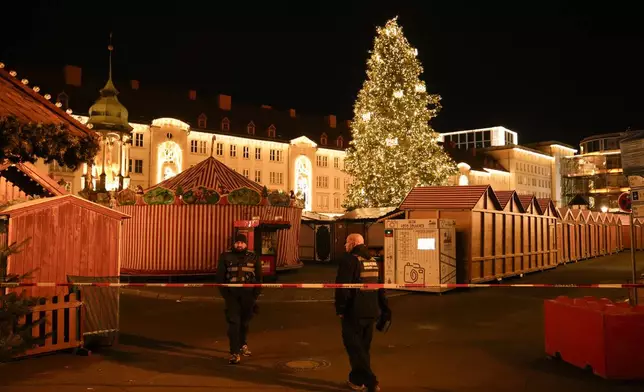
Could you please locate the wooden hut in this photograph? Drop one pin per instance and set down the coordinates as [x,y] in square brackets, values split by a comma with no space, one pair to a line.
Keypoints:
[182,225]
[368,222]
[491,245]
[568,236]
[548,208]
[590,220]
[317,233]
[70,239]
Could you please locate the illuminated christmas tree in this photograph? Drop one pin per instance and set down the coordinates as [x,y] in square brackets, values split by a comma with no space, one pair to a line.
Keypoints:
[393,147]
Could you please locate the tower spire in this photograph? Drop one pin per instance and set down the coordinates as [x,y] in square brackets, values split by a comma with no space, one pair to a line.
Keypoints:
[109,88]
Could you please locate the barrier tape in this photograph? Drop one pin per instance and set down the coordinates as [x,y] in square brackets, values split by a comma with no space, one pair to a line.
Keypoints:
[329,285]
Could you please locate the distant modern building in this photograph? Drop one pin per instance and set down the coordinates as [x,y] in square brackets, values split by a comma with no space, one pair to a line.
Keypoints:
[495,157]
[596,172]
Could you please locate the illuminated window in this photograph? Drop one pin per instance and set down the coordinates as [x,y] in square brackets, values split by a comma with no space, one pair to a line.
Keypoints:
[138,166]
[203,145]
[336,162]
[322,181]
[336,183]
[258,153]
[246,173]
[271,131]
[275,155]
[225,124]
[233,150]
[322,161]
[193,146]
[138,140]
[245,152]
[258,176]
[340,142]
[220,149]
[323,139]
[251,128]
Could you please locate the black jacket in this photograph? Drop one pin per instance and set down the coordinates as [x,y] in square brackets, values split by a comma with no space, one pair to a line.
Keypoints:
[354,302]
[238,258]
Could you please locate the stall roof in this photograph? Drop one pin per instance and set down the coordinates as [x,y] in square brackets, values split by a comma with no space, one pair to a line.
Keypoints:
[209,173]
[28,106]
[44,202]
[447,197]
[367,213]
[32,182]
[526,200]
[313,216]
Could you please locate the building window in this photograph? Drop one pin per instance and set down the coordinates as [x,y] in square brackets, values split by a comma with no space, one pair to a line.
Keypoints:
[138,140]
[233,150]
[251,128]
[322,161]
[346,183]
[271,131]
[193,146]
[203,145]
[246,153]
[323,181]
[246,173]
[336,202]
[323,139]
[202,121]
[258,153]
[138,166]
[336,183]
[340,142]
[275,155]
[258,176]
[225,124]
[276,178]
[323,201]
[336,162]
[220,149]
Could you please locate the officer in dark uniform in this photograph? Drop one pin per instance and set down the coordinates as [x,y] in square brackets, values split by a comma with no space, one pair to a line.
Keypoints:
[239,266]
[359,311]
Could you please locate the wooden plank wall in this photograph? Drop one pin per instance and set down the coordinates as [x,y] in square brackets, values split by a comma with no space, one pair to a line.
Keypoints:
[66,239]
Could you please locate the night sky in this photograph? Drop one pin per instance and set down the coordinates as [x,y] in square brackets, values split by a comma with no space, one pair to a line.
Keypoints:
[556,70]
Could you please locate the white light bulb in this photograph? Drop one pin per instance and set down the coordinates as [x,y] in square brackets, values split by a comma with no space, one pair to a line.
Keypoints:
[58,104]
[366,116]
[69,111]
[420,88]
[1,65]
[47,96]
[25,81]
[398,94]
[36,88]
[13,73]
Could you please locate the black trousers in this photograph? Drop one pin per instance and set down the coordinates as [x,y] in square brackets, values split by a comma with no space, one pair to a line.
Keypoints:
[239,312]
[356,336]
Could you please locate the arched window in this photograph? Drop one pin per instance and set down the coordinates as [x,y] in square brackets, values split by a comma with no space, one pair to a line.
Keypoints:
[225,124]
[340,142]
[271,131]
[251,128]
[323,139]
[202,121]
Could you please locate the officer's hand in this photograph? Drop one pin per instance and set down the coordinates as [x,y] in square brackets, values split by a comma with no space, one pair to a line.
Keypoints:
[256,309]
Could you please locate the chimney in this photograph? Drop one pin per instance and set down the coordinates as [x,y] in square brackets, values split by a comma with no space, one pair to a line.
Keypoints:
[134,84]
[291,112]
[192,94]
[225,102]
[73,75]
[331,119]
[267,107]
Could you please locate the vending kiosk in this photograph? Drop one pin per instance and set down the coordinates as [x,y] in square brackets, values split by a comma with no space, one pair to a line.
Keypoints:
[420,251]
[262,239]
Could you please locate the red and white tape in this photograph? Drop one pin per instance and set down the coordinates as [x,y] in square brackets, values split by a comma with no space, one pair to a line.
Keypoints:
[330,285]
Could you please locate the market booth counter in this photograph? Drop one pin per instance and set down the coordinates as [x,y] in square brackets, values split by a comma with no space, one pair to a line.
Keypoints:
[494,241]
[263,239]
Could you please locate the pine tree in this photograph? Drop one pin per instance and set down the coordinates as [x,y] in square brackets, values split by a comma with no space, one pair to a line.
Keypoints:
[393,147]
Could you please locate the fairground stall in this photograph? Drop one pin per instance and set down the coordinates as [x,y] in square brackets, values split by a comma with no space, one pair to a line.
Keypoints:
[182,225]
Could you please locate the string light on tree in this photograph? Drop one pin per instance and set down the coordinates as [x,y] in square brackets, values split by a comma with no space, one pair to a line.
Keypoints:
[393,148]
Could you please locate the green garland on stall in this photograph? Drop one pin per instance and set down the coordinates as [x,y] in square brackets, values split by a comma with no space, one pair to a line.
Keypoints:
[20,142]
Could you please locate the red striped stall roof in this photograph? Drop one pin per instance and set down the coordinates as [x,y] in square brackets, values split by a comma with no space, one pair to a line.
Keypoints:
[209,173]
[446,197]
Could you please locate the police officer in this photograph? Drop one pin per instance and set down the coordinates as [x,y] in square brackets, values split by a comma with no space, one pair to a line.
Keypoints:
[359,310]
[239,266]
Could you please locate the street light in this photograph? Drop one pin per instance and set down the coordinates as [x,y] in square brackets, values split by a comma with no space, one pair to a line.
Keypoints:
[604,209]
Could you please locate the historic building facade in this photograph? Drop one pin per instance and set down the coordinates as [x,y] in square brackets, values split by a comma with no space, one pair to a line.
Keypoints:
[278,149]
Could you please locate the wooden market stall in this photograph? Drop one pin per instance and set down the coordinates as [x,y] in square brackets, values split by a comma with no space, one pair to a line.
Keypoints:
[182,225]
[548,208]
[317,232]
[368,222]
[569,229]
[497,241]
[589,218]
[70,239]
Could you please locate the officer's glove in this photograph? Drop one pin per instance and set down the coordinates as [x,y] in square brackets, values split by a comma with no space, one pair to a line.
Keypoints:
[255,309]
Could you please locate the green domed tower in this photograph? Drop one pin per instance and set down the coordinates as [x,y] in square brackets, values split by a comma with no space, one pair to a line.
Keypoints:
[109,118]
